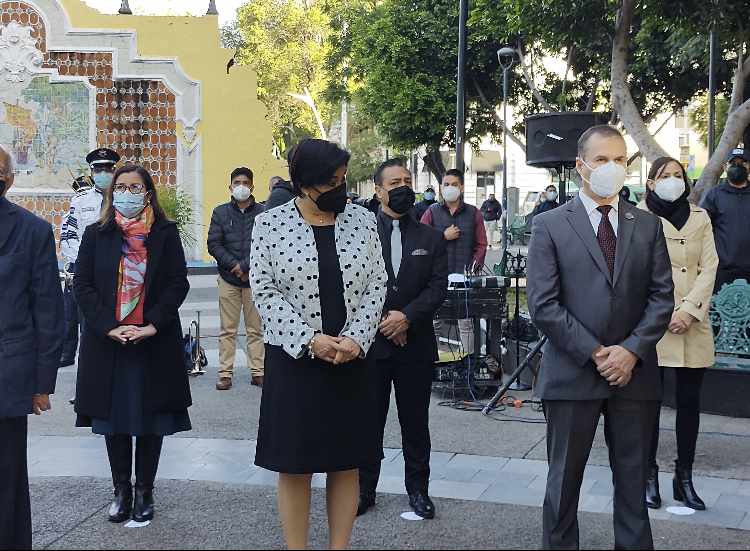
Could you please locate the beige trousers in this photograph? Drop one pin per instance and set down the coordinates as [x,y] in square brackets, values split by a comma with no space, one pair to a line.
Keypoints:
[465,330]
[232,301]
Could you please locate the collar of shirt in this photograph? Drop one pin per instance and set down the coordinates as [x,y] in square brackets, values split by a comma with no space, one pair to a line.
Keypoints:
[595,216]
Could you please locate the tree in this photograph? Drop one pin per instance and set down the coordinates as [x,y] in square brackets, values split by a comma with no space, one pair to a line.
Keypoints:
[285,42]
[397,60]
[699,118]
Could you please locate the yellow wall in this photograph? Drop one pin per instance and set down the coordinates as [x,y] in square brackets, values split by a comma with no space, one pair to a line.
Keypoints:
[234,129]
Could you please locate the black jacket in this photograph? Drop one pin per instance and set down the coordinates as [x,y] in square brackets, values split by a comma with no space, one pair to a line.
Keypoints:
[32,325]
[729,209]
[95,286]
[281,193]
[491,210]
[545,206]
[421,207]
[418,291]
[229,238]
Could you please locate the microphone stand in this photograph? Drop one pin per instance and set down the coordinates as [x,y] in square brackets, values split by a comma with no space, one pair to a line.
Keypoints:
[519,265]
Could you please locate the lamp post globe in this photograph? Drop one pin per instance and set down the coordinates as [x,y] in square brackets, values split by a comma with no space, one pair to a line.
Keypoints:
[506,57]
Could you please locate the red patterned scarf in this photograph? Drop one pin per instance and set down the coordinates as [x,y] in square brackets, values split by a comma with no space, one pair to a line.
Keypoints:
[133,264]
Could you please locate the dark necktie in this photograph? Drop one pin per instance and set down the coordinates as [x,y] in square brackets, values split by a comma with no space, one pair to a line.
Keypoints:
[607,238]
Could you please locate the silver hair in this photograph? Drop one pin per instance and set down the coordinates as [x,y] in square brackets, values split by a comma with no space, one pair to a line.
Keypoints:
[11,159]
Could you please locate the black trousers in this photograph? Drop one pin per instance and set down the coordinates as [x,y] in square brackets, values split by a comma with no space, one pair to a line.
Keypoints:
[73,320]
[571,427]
[687,424]
[413,384]
[15,504]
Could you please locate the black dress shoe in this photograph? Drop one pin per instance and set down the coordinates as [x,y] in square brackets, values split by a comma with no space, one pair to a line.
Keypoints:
[365,502]
[67,361]
[653,499]
[422,504]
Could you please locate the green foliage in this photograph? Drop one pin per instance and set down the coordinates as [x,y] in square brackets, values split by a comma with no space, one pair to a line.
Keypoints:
[365,144]
[180,207]
[699,118]
[284,41]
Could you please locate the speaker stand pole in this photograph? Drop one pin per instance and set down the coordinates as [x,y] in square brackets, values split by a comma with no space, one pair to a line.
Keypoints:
[516,374]
[563,185]
[519,266]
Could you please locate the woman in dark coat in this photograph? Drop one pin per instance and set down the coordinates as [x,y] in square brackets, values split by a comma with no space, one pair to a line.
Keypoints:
[131,278]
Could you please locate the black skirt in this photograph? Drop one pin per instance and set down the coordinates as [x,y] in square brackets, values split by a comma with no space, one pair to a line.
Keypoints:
[129,414]
[316,417]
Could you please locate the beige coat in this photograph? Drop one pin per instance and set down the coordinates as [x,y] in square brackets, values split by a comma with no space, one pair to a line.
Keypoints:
[694,262]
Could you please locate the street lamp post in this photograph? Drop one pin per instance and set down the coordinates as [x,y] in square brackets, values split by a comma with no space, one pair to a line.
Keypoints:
[506,57]
[463,16]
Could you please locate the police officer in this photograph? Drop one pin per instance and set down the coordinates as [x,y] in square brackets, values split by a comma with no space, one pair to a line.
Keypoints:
[85,208]
[405,348]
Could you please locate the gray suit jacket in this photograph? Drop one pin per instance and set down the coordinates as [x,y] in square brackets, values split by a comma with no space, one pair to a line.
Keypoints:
[574,301]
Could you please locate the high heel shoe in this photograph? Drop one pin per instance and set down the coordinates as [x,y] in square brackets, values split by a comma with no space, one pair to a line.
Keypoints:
[684,491]
[653,499]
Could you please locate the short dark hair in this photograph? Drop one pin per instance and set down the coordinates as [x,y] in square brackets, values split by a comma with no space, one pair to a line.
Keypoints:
[242,171]
[389,163]
[550,186]
[600,130]
[314,162]
[455,172]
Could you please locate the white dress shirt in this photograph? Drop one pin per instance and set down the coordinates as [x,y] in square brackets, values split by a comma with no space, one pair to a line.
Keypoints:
[595,216]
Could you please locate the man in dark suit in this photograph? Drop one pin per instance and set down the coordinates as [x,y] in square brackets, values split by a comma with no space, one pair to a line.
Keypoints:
[600,288]
[416,260]
[32,330]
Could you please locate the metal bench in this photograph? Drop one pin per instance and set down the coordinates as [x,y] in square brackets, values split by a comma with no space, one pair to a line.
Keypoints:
[730,319]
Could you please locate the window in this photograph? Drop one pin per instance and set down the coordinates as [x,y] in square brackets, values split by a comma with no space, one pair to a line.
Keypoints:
[486,179]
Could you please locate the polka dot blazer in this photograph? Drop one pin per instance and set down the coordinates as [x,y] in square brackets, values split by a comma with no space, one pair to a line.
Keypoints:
[284,276]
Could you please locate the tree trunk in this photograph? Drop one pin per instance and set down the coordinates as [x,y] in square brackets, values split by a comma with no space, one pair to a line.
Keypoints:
[622,100]
[736,124]
[434,161]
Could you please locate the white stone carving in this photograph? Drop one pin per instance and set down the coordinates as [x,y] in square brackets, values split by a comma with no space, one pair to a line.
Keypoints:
[18,52]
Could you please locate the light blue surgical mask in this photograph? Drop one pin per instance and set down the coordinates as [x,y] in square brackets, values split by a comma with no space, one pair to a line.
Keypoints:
[102,180]
[430,195]
[129,204]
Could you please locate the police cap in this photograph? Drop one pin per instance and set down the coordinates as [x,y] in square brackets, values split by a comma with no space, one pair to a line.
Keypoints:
[102,158]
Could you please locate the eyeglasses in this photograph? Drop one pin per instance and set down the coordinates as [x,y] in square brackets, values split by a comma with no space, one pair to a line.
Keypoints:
[134,188]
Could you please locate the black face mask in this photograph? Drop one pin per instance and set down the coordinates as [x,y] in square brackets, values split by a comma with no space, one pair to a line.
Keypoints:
[737,174]
[333,200]
[401,199]
[3,183]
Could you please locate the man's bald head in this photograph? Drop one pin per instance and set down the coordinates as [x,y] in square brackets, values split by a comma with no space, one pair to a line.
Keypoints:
[7,168]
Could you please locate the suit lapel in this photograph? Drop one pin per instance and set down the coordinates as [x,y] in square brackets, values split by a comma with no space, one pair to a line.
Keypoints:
[7,221]
[408,248]
[581,223]
[385,244]
[625,227]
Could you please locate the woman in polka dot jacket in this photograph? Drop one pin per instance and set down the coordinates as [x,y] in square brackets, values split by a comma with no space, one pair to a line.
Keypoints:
[319,282]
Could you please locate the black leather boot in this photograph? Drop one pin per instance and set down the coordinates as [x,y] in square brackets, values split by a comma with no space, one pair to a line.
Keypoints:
[147,452]
[120,451]
[684,491]
[653,499]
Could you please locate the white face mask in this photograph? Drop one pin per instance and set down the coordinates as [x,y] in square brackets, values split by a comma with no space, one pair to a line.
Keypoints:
[606,180]
[451,193]
[241,193]
[551,195]
[670,189]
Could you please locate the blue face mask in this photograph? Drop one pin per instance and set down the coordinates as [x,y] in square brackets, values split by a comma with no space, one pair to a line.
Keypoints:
[128,204]
[102,180]
[430,195]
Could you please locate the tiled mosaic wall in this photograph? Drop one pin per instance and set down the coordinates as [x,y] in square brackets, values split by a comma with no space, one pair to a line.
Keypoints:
[134,117]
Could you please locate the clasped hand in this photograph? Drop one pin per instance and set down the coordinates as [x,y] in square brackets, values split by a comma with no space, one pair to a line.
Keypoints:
[393,326]
[680,322]
[336,350]
[133,333]
[615,364]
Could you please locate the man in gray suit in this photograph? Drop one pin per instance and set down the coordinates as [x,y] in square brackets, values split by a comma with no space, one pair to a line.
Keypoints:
[600,288]
[32,330]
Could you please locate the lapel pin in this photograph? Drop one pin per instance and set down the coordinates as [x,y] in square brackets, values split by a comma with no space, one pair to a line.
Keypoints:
[629,215]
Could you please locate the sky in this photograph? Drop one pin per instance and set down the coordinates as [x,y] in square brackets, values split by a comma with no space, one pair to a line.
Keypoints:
[227,8]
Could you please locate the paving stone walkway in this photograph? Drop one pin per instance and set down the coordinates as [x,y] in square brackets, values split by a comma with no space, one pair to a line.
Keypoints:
[454,476]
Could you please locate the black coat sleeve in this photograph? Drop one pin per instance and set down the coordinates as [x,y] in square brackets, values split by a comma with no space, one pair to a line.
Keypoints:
[215,243]
[98,317]
[48,313]
[421,309]
[171,296]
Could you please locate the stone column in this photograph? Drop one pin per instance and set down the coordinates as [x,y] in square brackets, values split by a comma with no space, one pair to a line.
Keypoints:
[125,8]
